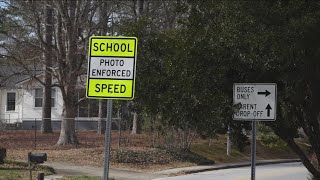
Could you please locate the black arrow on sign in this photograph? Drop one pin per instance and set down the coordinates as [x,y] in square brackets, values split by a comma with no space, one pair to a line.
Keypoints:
[268,110]
[264,93]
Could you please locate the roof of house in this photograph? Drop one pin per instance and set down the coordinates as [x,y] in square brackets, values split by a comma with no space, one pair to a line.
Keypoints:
[9,76]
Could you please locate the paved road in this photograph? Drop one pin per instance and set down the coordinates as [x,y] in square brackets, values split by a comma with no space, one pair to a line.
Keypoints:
[289,171]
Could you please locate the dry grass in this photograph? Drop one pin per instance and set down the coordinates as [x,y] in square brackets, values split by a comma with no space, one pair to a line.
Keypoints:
[90,151]
[217,151]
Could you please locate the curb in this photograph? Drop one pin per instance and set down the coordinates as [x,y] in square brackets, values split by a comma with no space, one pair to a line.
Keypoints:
[52,177]
[245,164]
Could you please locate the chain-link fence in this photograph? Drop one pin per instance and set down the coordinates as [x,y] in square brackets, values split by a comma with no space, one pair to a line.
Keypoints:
[7,124]
[121,127]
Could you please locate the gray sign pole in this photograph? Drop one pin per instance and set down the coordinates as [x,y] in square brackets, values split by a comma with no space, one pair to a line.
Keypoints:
[253,151]
[107,141]
[229,141]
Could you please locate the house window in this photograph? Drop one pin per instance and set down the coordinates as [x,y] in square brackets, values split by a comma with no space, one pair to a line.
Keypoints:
[53,97]
[11,101]
[38,97]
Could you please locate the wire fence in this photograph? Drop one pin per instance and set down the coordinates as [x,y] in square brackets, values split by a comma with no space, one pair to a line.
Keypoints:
[81,123]
[121,129]
[3,124]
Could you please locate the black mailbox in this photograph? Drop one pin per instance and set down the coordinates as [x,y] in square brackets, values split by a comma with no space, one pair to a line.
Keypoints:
[38,157]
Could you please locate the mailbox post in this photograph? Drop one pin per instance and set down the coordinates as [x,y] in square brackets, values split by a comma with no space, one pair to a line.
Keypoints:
[34,159]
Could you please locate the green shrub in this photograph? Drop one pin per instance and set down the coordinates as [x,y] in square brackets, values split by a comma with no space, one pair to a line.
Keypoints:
[272,142]
[268,139]
[240,140]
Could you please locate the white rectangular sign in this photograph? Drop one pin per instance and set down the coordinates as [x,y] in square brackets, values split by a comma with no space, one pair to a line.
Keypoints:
[111,67]
[257,101]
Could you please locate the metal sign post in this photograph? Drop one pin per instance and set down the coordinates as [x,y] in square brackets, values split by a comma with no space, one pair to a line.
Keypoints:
[107,139]
[257,102]
[111,75]
[253,151]
[229,141]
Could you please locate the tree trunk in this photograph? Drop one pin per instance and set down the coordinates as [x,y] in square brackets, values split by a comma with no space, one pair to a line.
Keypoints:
[140,7]
[135,123]
[46,109]
[67,133]
[69,76]
[103,17]
[306,162]
[103,22]
[101,125]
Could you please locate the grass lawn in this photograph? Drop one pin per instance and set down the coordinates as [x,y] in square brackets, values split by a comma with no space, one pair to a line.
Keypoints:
[217,151]
[12,174]
[11,170]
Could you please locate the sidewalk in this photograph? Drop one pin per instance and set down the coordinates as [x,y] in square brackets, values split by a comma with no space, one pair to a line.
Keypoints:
[65,169]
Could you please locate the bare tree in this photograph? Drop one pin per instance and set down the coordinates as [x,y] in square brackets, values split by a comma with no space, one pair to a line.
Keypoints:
[71,24]
[71,45]
[25,42]
[48,58]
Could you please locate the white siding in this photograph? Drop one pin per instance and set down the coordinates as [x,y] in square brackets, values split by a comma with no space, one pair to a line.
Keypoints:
[25,109]
[29,111]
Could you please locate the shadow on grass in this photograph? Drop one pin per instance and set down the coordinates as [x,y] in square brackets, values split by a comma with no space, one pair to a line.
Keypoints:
[15,165]
[12,168]
[188,156]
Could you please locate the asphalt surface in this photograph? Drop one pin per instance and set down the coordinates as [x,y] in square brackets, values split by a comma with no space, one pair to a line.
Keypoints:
[287,171]
[65,169]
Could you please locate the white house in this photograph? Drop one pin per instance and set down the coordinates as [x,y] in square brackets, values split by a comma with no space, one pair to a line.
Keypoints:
[21,104]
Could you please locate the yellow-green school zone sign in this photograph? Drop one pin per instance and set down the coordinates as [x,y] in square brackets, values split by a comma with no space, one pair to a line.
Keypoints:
[111,67]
